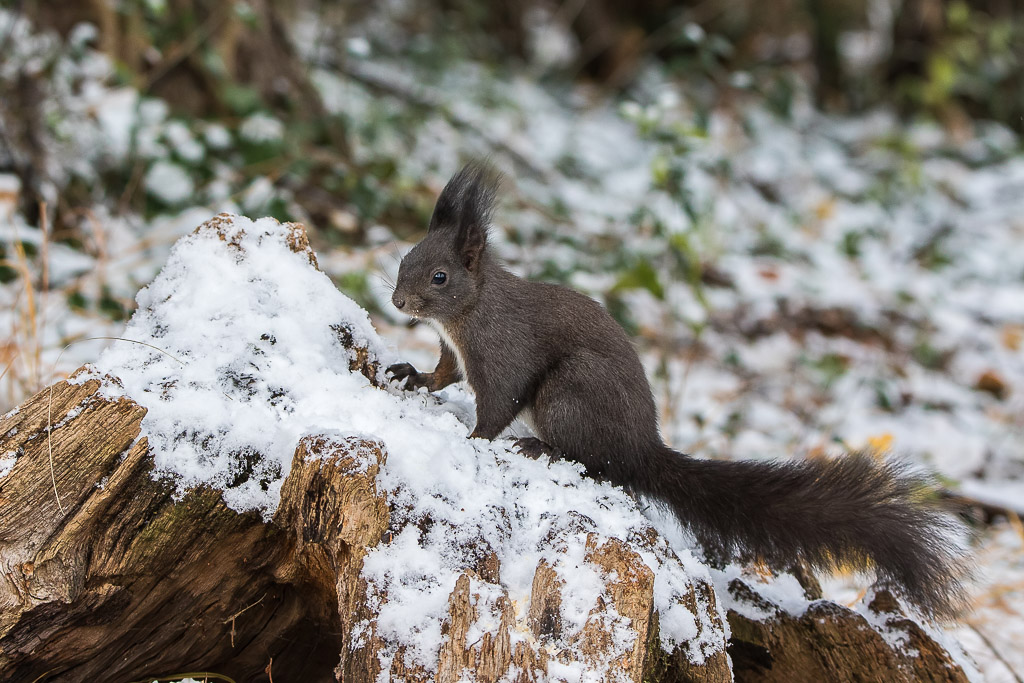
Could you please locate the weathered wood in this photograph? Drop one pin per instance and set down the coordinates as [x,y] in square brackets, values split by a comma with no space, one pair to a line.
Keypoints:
[631,593]
[829,642]
[330,506]
[524,644]
[128,582]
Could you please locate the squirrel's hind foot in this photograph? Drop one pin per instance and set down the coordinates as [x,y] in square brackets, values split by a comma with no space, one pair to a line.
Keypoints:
[533,448]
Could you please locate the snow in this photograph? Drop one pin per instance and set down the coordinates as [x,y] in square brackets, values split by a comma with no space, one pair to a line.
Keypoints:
[258,194]
[1006,494]
[169,182]
[9,183]
[260,128]
[183,143]
[358,47]
[7,462]
[992,632]
[237,358]
[217,136]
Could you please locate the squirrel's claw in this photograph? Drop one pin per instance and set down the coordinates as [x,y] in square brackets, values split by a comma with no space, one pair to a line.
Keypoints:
[533,448]
[400,371]
[405,371]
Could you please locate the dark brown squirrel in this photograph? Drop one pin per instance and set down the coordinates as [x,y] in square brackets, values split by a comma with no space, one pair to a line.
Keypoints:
[556,359]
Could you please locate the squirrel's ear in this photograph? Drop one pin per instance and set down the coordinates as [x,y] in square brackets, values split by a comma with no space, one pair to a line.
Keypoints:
[465,208]
[474,241]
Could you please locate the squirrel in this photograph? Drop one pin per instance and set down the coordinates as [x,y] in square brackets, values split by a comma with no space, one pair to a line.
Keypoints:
[556,359]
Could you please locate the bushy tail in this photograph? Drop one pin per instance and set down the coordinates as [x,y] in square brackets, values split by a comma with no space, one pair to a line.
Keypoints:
[851,511]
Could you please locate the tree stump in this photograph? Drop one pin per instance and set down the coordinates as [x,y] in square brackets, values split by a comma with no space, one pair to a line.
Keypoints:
[112,570]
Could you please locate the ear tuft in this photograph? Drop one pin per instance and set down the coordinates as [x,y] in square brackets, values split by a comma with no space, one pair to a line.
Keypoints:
[465,208]
[469,197]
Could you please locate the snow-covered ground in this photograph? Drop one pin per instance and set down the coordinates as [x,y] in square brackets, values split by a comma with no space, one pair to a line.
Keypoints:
[814,283]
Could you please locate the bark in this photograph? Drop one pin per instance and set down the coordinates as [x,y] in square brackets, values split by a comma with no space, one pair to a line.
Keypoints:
[829,642]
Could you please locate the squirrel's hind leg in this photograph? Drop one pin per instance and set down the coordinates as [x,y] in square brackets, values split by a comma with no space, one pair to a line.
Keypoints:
[583,409]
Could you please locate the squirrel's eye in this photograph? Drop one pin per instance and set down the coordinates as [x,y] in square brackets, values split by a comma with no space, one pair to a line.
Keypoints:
[439,277]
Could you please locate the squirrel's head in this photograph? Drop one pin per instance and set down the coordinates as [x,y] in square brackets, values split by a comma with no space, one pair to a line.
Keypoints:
[439,278]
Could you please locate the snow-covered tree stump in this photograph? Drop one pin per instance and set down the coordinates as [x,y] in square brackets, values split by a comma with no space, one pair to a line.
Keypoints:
[241,493]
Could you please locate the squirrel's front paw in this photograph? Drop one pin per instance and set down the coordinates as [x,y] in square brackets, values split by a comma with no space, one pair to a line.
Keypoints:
[406,371]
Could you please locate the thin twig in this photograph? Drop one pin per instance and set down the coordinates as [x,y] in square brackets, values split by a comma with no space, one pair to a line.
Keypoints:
[10,363]
[43,677]
[244,609]
[237,614]
[32,321]
[44,285]
[49,403]
[1014,518]
[204,675]
[49,448]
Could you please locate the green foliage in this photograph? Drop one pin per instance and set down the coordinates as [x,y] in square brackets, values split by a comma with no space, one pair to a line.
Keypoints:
[356,285]
[641,275]
[851,244]
[831,366]
[977,65]
[7,271]
[780,91]
[619,310]
[924,353]
[112,307]
[883,397]
[76,300]
[240,99]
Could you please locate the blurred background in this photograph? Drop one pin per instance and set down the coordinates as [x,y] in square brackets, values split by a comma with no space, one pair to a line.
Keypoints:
[808,213]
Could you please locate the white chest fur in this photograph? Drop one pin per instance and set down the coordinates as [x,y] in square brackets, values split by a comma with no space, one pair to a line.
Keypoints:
[450,343]
[526,417]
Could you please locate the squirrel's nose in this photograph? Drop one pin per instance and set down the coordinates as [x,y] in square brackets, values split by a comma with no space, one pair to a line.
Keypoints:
[398,301]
